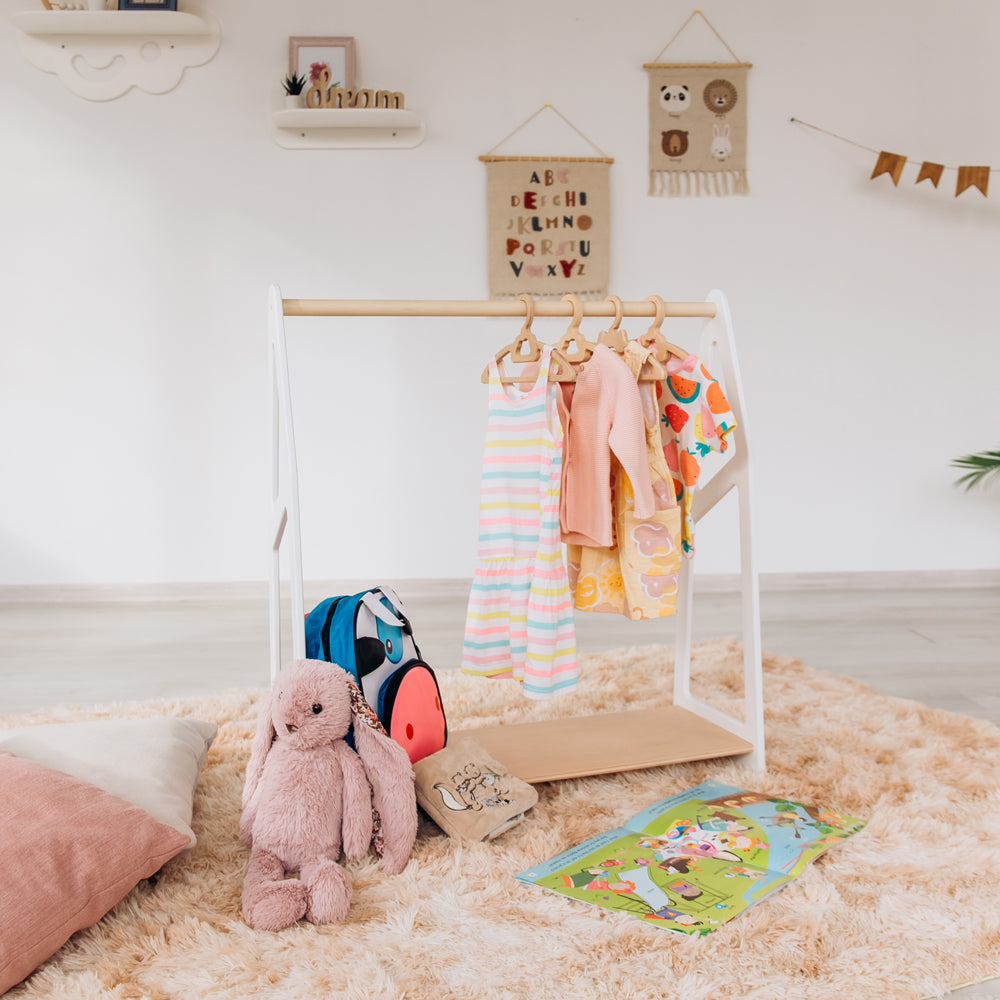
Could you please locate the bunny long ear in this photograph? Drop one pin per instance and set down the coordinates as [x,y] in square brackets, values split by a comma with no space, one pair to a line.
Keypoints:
[262,741]
[391,776]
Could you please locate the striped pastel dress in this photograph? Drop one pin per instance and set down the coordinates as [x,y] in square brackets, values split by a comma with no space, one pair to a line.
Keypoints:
[520,617]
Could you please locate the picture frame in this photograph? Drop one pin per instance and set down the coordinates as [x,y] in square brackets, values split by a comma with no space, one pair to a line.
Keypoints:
[147,4]
[337,52]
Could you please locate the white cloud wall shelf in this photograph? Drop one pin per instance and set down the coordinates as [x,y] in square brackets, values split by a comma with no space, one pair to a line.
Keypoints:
[100,54]
[347,128]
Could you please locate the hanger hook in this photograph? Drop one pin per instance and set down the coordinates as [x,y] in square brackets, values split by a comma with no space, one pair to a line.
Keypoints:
[660,311]
[654,336]
[617,303]
[577,304]
[529,313]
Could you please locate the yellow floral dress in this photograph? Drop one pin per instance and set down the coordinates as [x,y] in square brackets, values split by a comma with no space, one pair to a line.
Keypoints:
[637,576]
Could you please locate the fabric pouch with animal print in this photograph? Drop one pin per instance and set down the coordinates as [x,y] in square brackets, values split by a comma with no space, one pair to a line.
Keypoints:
[470,794]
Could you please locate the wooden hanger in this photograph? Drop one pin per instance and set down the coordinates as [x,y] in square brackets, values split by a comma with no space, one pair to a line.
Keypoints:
[655,339]
[524,348]
[614,337]
[617,339]
[573,348]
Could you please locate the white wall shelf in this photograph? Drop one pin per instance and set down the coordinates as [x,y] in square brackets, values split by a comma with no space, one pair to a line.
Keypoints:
[347,128]
[101,54]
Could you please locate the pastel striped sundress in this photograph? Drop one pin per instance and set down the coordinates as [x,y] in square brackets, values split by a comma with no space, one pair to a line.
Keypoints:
[520,616]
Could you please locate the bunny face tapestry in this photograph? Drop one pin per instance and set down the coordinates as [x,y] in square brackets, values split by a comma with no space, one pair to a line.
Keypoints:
[549,226]
[697,128]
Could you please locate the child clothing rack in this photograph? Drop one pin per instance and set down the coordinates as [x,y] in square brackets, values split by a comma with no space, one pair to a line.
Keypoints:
[688,729]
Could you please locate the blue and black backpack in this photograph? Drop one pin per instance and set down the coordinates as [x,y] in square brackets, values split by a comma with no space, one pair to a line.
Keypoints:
[369,635]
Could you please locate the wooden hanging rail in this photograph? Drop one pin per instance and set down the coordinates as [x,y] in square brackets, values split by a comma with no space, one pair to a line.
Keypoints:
[480,307]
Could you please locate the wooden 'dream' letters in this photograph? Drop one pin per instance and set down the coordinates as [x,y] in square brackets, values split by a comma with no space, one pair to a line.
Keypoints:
[322,95]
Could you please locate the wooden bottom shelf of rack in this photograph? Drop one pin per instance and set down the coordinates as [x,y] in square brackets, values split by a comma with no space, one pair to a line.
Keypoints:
[556,749]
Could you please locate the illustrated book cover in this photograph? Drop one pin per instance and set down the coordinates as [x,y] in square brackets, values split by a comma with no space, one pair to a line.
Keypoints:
[694,861]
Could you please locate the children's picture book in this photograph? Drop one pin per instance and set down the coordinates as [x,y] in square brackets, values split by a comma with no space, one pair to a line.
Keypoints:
[693,861]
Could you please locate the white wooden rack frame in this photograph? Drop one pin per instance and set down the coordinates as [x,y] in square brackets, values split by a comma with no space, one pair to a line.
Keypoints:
[687,729]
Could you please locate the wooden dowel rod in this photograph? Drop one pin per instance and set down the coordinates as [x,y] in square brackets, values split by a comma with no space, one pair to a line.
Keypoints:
[478,307]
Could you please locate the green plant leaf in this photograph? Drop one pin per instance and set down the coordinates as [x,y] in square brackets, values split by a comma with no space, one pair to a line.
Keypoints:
[293,84]
[977,468]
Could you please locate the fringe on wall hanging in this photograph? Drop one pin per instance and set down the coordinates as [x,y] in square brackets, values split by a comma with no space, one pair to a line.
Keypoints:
[697,125]
[548,231]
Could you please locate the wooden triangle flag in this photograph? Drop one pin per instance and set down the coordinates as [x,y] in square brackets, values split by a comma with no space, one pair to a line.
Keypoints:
[891,164]
[977,177]
[930,172]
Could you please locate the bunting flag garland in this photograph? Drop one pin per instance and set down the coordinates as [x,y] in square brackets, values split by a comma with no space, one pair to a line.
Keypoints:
[548,221]
[893,163]
[930,172]
[697,125]
[977,177]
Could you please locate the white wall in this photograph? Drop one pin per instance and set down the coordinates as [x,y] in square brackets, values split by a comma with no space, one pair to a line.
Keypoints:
[139,237]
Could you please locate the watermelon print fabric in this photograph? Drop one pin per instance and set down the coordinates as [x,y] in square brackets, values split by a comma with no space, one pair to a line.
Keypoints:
[695,419]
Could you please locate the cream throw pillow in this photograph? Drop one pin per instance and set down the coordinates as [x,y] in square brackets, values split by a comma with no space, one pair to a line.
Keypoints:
[152,763]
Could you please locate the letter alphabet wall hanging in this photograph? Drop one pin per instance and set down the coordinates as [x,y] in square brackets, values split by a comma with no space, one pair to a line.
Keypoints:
[697,125]
[548,223]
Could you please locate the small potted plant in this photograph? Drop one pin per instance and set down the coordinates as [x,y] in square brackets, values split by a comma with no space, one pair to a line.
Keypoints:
[293,90]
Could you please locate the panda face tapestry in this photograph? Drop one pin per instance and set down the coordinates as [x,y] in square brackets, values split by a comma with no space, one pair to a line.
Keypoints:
[697,128]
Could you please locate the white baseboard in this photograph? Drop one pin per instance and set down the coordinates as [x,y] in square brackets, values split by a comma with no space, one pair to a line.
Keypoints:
[923,579]
[100,593]
[909,579]
[454,587]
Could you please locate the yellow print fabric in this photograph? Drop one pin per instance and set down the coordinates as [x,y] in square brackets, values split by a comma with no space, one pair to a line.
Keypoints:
[638,576]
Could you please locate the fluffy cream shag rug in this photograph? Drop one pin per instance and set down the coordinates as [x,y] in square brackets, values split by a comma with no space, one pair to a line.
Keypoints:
[907,908]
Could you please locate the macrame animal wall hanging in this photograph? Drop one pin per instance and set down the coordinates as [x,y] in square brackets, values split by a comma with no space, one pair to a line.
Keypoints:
[697,125]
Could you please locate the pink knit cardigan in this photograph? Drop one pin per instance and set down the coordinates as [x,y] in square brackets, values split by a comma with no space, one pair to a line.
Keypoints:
[605,416]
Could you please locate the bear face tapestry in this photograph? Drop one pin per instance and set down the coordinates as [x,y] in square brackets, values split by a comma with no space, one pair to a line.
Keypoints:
[548,226]
[697,128]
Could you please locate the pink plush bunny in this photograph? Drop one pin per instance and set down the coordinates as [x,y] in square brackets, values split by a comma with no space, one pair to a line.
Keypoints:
[308,794]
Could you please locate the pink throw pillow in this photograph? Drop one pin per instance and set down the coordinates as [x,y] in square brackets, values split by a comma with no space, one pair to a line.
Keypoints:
[68,853]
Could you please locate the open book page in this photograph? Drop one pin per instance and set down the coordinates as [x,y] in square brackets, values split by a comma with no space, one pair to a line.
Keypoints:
[745,827]
[697,859]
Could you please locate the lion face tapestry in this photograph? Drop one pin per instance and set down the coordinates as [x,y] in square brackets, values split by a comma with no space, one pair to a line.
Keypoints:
[697,128]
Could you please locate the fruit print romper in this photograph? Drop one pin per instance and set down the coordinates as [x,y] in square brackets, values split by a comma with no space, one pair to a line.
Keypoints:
[696,419]
[520,616]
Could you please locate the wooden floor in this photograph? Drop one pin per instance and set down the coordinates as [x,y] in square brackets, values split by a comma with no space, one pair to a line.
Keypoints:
[940,647]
